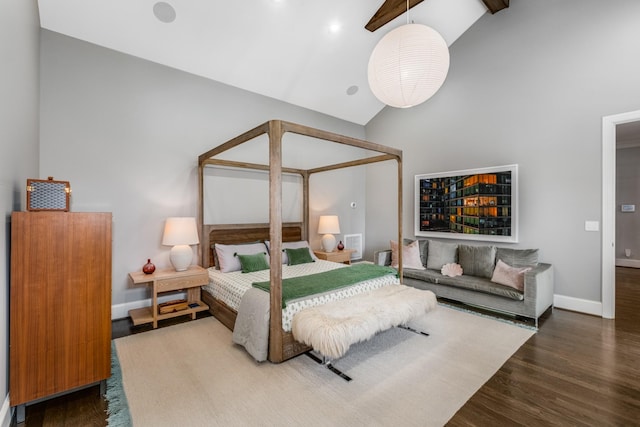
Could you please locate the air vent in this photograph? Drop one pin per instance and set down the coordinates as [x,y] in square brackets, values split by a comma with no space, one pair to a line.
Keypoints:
[354,241]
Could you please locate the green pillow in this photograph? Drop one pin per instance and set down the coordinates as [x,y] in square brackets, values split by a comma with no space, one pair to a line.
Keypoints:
[253,262]
[298,256]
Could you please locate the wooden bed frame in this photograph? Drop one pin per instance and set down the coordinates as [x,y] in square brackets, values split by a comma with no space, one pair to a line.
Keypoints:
[282,346]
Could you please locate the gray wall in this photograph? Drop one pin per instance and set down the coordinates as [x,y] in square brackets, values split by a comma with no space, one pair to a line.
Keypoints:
[127,132]
[19,50]
[628,193]
[528,85]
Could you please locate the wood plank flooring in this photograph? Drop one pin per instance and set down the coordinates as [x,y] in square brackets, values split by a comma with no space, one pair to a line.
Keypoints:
[578,370]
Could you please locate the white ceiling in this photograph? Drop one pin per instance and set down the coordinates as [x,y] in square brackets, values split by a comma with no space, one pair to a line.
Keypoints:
[283,49]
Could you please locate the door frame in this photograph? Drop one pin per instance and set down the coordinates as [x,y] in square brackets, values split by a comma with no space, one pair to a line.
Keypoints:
[608,266]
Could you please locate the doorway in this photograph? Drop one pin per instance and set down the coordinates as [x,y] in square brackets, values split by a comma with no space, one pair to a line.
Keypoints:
[609,124]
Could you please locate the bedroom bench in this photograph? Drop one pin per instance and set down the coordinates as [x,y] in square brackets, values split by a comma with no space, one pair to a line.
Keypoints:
[331,329]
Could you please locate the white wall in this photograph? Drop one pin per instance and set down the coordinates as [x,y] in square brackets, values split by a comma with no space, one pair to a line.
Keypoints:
[530,86]
[127,132]
[19,50]
[628,193]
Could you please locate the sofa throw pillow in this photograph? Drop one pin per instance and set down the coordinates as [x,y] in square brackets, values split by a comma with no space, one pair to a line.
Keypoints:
[441,253]
[298,256]
[477,260]
[410,255]
[226,254]
[518,257]
[253,262]
[506,275]
[423,244]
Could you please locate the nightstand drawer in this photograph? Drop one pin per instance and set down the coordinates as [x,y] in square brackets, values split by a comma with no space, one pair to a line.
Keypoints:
[176,283]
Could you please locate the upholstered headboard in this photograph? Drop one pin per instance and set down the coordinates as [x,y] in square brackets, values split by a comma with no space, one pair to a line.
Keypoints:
[227,234]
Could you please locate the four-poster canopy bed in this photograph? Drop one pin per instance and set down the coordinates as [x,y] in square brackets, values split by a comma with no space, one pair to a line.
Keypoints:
[282,345]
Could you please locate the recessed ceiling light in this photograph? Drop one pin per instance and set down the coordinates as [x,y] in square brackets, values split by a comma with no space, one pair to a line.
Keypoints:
[164,12]
[335,27]
[352,90]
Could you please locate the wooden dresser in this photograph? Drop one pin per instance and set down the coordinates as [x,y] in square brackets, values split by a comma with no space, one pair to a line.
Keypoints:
[60,304]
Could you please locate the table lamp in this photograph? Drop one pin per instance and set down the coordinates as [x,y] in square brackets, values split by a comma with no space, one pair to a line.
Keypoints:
[328,226]
[180,232]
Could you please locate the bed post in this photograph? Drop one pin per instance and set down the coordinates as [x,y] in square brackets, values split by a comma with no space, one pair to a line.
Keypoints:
[275,231]
[305,205]
[400,242]
[200,219]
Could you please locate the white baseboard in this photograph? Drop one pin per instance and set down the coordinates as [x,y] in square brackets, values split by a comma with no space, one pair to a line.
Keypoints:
[6,413]
[120,311]
[625,262]
[578,304]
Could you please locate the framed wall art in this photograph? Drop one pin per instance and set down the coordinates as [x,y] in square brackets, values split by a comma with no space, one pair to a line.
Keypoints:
[472,204]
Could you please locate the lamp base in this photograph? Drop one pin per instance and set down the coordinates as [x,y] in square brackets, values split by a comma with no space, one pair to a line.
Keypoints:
[180,257]
[328,242]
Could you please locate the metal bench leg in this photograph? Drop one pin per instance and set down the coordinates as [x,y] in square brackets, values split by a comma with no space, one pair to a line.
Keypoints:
[415,331]
[327,363]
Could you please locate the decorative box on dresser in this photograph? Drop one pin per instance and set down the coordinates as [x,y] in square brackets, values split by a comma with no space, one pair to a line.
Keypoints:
[60,304]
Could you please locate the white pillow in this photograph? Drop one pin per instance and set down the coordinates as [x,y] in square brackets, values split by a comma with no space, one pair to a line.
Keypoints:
[292,245]
[410,255]
[226,255]
[506,275]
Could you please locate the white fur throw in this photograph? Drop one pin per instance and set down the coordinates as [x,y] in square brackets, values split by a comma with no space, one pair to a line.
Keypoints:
[331,328]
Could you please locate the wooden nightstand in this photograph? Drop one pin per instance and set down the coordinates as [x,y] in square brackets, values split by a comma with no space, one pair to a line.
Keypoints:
[169,280]
[343,256]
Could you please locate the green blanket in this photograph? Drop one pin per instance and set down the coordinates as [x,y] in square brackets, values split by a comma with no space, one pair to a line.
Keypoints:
[298,287]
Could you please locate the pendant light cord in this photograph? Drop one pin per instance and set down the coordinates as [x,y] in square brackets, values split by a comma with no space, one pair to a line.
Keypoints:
[407,11]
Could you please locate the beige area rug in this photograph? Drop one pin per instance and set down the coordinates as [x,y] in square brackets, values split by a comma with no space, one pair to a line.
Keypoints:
[192,375]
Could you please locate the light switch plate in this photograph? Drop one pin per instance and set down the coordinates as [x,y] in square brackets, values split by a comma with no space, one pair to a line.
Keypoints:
[591,226]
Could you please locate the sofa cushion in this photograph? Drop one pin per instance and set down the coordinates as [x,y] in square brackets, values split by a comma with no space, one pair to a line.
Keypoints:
[472,283]
[518,257]
[431,276]
[440,253]
[482,285]
[410,255]
[509,276]
[477,260]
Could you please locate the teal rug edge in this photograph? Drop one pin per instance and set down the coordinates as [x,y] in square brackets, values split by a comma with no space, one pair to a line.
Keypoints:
[117,405]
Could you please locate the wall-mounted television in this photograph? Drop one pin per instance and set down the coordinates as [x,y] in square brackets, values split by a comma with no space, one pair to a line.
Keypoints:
[472,204]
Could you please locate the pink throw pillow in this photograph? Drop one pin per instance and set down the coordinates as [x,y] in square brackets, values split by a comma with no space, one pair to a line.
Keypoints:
[410,255]
[506,275]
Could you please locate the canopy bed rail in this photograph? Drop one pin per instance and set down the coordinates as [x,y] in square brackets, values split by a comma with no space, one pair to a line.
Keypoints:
[281,344]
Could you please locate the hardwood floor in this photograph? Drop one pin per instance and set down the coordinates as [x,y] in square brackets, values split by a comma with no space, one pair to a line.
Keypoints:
[578,370]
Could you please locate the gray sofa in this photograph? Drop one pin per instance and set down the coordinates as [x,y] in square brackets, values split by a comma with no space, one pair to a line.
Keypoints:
[475,286]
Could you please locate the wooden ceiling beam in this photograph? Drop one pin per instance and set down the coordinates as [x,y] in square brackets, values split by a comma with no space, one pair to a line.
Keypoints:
[496,5]
[389,11]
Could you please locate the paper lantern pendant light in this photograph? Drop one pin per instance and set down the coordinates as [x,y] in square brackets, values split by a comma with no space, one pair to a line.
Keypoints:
[408,65]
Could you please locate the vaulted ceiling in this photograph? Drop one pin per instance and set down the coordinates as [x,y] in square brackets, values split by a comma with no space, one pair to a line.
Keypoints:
[313,54]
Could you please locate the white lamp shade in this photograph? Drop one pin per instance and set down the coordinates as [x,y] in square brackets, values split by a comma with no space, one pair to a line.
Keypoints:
[408,65]
[180,231]
[329,224]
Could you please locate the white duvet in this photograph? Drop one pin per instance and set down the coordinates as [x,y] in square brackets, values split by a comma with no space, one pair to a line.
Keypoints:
[231,287]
